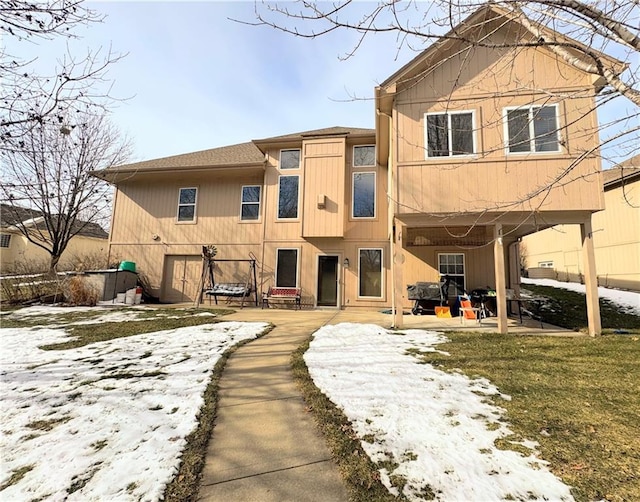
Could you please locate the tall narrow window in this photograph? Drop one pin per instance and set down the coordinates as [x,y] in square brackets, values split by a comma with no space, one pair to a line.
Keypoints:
[449,134]
[288,197]
[290,159]
[364,156]
[452,264]
[250,205]
[370,273]
[287,268]
[187,204]
[364,195]
[533,129]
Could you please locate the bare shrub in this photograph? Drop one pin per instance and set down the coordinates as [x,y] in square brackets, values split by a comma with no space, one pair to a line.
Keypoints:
[79,292]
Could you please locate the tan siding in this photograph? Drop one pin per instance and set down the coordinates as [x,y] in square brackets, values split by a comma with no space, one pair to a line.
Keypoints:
[181,278]
[324,173]
[616,240]
[493,179]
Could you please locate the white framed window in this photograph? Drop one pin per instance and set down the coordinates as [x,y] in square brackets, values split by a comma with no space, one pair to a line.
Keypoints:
[370,276]
[288,197]
[532,129]
[287,268]
[364,195]
[452,265]
[545,264]
[364,156]
[290,159]
[187,200]
[250,202]
[5,240]
[449,134]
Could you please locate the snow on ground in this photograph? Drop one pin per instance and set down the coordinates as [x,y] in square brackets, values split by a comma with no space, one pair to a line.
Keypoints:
[628,300]
[438,427]
[106,421]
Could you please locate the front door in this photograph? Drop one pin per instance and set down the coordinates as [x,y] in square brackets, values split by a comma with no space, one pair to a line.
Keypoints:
[327,281]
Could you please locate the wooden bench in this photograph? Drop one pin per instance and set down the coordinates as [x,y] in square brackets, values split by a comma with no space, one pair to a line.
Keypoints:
[281,294]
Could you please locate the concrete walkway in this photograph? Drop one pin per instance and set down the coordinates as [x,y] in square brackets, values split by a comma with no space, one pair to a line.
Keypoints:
[265,447]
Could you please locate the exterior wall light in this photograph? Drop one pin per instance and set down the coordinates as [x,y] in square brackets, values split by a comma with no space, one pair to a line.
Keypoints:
[345,263]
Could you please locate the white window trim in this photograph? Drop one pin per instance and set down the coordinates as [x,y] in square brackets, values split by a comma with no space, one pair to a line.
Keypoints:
[195,207]
[464,266]
[375,196]
[289,150]
[546,264]
[448,114]
[532,138]
[353,157]
[242,203]
[382,290]
[297,218]
[275,274]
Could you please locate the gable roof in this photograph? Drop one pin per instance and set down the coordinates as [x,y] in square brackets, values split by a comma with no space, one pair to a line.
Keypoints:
[474,23]
[12,215]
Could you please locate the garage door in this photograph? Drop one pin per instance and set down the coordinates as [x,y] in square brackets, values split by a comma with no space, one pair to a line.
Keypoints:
[181,278]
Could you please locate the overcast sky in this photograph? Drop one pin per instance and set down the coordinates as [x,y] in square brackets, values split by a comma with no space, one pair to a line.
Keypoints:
[193,79]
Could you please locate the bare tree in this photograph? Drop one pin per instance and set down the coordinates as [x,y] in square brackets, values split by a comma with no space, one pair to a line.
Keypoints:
[593,32]
[28,97]
[51,173]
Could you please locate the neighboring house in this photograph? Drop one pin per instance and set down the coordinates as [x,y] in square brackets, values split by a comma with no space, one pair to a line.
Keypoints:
[555,253]
[453,174]
[18,254]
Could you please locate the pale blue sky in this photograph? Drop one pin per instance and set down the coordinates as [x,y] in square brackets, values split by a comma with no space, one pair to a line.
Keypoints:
[196,80]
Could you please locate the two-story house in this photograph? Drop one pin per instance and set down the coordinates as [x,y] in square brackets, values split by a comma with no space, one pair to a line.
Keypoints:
[476,143]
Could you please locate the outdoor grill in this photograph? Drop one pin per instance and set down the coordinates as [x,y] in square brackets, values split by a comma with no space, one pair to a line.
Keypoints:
[427,296]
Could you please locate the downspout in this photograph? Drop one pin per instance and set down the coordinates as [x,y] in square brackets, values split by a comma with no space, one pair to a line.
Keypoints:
[264,224]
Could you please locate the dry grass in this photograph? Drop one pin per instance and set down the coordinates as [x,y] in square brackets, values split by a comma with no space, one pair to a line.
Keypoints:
[578,397]
[359,472]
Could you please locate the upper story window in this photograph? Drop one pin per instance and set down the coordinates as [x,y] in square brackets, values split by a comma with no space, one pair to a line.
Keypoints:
[290,159]
[288,197]
[187,204]
[250,204]
[532,129]
[364,156]
[449,134]
[5,240]
[364,195]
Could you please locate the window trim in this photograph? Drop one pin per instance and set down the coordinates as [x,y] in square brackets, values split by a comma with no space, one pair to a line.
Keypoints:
[275,273]
[5,238]
[297,216]
[195,207]
[532,136]
[353,157]
[242,203]
[464,266]
[375,195]
[382,286]
[448,113]
[299,150]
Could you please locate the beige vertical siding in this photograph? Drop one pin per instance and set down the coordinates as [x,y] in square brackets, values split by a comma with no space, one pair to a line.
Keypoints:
[616,240]
[324,176]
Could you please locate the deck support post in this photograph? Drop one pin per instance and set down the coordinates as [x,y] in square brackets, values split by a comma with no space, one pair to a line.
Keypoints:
[590,278]
[501,274]
[397,262]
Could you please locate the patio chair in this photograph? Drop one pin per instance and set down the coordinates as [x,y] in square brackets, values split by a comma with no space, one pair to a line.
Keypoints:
[467,311]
